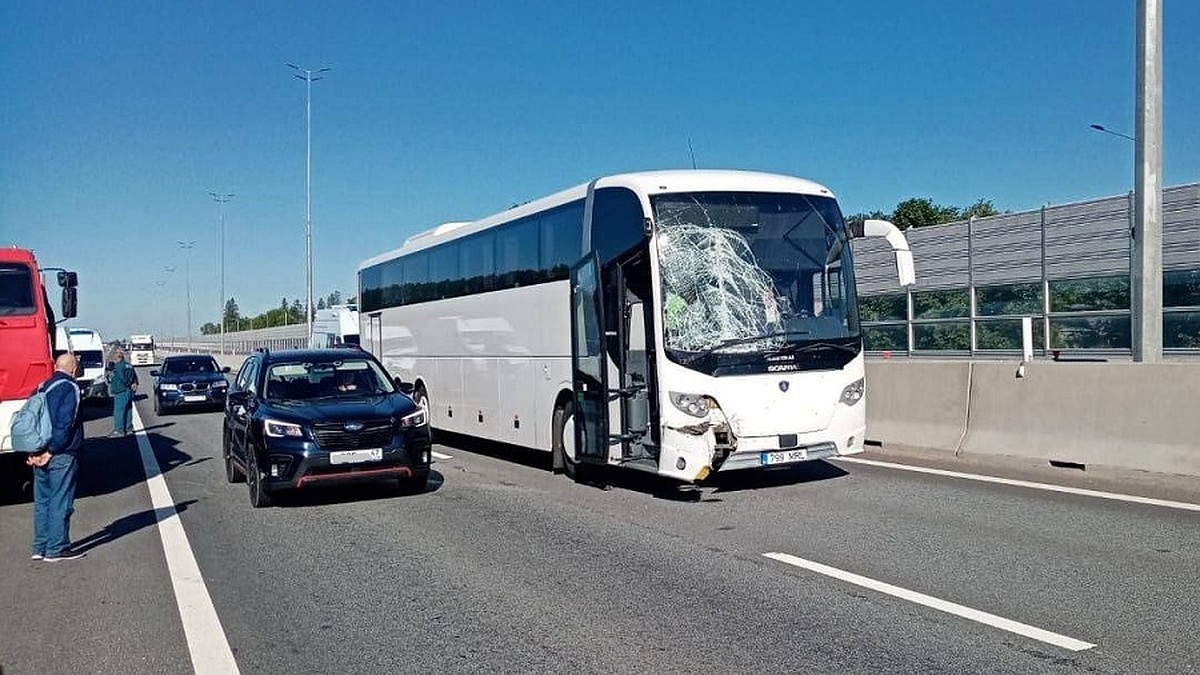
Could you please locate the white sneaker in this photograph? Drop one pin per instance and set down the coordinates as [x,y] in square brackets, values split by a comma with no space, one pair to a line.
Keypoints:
[36,556]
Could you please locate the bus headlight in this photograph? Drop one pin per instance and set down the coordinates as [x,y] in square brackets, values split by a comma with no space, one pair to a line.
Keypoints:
[853,392]
[692,404]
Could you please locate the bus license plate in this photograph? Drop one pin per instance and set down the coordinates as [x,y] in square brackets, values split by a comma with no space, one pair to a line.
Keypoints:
[356,456]
[784,457]
[194,398]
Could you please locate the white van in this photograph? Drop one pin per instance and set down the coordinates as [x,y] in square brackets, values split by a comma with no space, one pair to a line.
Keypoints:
[337,325]
[88,347]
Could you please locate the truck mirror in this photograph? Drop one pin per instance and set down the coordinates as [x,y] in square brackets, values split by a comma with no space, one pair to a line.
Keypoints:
[70,302]
[68,279]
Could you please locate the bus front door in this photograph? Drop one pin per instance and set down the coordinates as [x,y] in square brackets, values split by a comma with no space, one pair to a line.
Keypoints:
[588,363]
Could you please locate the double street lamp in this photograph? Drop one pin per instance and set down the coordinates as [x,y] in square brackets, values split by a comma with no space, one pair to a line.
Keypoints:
[309,76]
[187,247]
[221,200]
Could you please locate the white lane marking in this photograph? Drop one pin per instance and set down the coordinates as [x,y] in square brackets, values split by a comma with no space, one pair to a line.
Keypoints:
[1166,503]
[206,639]
[438,455]
[935,603]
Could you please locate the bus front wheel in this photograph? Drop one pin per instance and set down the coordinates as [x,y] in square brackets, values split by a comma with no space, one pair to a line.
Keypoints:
[564,440]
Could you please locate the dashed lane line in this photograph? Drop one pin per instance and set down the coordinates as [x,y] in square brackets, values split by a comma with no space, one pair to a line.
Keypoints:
[956,609]
[206,641]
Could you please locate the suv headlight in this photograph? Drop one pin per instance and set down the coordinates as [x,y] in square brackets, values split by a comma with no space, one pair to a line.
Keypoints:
[414,419]
[853,392]
[167,386]
[277,429]
[695,405]
[220,384]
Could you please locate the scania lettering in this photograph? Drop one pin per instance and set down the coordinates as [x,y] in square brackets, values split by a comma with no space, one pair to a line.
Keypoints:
[676,322]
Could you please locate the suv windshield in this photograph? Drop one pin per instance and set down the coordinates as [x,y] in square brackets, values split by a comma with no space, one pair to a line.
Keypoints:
[306,381]
[746,272]
[200,365]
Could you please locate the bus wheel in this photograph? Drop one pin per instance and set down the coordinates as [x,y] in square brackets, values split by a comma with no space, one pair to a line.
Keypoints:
[564,440]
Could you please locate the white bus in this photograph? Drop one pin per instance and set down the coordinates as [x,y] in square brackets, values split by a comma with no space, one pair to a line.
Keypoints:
[677,322]
[141,350]
[336,325]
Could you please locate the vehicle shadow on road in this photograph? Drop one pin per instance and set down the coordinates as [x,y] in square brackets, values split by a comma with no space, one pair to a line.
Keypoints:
[363,492]
[128,525]
[108,465]
[753,479]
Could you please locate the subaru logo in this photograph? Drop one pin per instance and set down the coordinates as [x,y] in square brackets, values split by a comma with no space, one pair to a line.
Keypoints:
[353,426]
[783,385]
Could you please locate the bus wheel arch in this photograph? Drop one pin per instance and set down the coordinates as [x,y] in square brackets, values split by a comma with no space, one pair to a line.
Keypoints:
[562,434]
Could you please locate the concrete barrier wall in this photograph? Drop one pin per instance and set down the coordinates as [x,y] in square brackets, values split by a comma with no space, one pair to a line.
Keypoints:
[1125,415]
[910,403]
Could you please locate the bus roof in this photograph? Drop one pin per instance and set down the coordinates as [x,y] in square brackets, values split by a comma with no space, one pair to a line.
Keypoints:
[645,183]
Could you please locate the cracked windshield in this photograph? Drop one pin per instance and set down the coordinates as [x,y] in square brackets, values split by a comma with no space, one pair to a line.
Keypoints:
[752,272]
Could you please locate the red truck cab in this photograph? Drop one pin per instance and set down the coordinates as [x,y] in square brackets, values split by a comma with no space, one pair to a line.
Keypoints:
[26,331]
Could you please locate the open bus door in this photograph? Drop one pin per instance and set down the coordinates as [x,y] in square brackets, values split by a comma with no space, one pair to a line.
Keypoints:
[589,379]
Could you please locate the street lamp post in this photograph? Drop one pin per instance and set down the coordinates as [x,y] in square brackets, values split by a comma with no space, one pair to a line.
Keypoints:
[309,76]
[1101,127]
[187,276]
[221,200]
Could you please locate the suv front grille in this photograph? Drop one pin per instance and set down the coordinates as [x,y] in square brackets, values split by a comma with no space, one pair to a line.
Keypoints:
[193,386]
[334,436]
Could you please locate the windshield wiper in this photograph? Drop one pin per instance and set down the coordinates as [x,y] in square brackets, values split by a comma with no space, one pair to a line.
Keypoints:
[813,346]
[741,341]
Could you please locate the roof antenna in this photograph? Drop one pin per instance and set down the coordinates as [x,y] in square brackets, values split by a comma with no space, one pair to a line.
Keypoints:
[692,153]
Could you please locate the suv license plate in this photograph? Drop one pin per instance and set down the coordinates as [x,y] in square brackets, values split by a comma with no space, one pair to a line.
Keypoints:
[784,457]
[194,398]
[356,456]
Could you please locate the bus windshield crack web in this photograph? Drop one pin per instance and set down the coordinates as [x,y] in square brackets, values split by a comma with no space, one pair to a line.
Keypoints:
[714,290]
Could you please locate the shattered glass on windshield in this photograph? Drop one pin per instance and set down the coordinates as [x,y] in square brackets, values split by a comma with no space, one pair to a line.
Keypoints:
[752,272]
[714,289]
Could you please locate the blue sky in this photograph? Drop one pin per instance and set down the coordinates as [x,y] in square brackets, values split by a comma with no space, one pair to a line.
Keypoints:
[118,118]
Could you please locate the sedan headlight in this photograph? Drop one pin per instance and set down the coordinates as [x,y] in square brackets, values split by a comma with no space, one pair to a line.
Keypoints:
[167,386]
[695,405]
[414,420]
[277,429]
[853,392]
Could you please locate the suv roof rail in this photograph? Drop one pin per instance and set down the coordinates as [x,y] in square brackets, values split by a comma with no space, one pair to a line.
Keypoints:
[262,350]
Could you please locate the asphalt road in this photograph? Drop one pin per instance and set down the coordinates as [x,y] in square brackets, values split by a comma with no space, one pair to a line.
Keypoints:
[503,567]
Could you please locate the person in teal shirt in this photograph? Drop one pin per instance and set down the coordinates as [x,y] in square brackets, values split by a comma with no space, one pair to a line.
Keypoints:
[122,383]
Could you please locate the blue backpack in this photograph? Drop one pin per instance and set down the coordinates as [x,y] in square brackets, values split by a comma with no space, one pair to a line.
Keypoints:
[31,427]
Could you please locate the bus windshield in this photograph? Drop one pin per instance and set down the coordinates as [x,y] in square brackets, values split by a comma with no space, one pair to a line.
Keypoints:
[751,272]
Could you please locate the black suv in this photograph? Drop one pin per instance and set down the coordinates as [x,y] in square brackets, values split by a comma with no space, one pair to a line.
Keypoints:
[298,418]
[189,380]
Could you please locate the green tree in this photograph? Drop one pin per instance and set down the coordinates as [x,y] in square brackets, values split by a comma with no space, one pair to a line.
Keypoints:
[922,212]
[232,314]
[320,303]
[335,298]
[210,328]
[980,209]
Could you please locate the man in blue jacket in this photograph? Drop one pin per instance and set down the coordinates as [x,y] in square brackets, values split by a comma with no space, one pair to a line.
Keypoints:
[55,468]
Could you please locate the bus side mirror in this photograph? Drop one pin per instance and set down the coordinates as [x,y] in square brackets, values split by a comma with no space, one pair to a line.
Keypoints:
[905,269]
[70,302]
